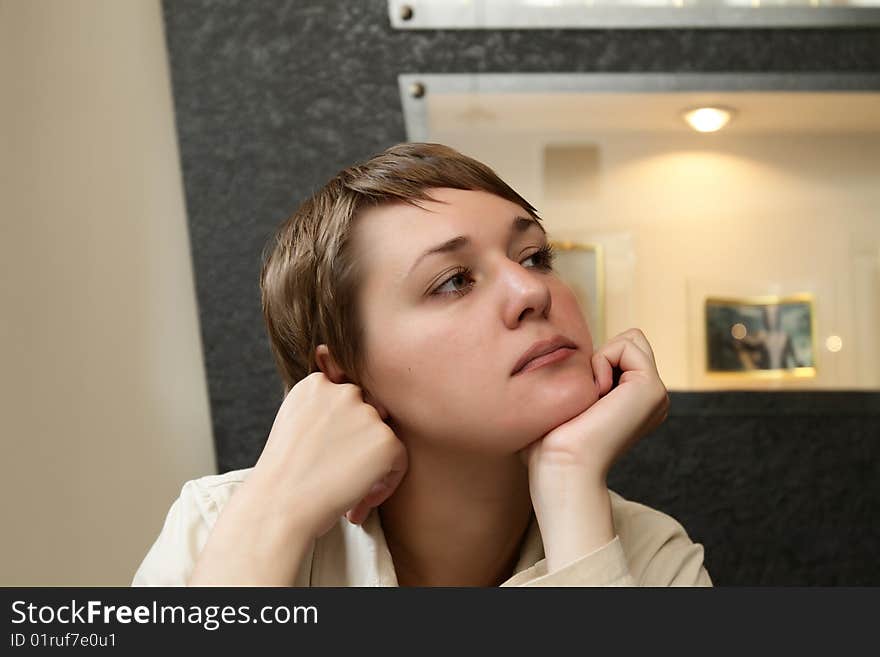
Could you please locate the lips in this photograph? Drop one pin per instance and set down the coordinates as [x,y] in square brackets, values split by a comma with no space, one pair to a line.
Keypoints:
[540,348]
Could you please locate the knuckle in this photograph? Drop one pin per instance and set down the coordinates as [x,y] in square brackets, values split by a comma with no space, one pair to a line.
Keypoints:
[387,438]
[307,385]
[386,435]
[374,413]
[367,418]
[343,393]
[350,389]
[314,378]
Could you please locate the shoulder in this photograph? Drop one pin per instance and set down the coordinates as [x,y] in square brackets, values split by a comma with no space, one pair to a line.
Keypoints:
[213,491]
[185,530]
[204,498]
[658,549]
[630,515]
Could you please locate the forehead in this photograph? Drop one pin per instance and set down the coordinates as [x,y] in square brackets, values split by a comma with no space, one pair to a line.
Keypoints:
[404,230]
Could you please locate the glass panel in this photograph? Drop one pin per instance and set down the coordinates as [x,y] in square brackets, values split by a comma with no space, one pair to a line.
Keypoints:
[750,256]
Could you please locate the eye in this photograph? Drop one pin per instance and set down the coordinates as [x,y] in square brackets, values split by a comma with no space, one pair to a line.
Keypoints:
[461,273]
[543,257]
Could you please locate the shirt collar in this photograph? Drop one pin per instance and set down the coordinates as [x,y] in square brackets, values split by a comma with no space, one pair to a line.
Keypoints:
[358,555]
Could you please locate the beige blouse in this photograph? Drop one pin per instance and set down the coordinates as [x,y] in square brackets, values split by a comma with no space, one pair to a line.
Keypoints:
[650,548]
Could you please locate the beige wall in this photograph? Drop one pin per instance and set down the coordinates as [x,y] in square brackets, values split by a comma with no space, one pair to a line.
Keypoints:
[683,215]
[104,402]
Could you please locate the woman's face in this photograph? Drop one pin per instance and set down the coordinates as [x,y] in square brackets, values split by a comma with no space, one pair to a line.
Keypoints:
[444,331]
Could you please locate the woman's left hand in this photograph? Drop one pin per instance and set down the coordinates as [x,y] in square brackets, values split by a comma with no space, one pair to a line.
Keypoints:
[569,465]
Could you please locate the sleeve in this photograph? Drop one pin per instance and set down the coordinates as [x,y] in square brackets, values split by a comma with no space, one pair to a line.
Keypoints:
[170,560]
[606,566]
[674,561]
[651,550]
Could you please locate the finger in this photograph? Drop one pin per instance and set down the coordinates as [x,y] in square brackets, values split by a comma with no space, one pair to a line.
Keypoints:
[386,487]
[381,410]
[603,372]
[623,354]
[378,493]
[638,337]
[382,489]
[633,336]
[354,515]
[359,512]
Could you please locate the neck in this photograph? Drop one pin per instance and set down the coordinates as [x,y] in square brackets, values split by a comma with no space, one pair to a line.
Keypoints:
[457,519]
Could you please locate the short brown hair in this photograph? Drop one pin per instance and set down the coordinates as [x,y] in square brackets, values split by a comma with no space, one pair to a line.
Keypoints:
[310,274]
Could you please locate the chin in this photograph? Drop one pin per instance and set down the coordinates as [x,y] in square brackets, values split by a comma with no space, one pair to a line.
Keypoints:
[551,404]
[568,388]
[569,406]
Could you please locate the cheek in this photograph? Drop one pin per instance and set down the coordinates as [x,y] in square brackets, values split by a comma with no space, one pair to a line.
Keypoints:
[414,362]
[436,383]
[573,317]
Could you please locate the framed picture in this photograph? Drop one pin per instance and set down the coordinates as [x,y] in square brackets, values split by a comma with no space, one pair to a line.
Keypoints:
[582,267]
[761,337]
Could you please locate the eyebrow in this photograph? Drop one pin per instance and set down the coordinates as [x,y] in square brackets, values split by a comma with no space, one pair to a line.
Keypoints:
[519,225]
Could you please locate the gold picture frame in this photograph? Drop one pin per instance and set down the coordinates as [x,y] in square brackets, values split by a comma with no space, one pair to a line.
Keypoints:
[581,266]
[760,337]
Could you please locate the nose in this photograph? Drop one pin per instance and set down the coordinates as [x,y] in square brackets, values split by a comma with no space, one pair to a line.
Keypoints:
[524,293]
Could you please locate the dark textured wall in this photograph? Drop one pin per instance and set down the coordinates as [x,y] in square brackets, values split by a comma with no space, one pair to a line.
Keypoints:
[781,488]
[273,98]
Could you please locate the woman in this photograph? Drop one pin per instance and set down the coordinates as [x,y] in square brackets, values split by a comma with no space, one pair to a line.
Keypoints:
[442,394]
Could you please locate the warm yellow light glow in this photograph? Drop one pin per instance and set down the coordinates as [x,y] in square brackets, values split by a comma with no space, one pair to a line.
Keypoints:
[738,331]
[833,343]
[708,119]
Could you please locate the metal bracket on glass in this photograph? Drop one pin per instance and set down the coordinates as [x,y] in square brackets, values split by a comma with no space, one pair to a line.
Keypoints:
[586,14]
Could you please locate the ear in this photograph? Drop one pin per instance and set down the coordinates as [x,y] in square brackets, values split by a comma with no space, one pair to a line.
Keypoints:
[328,365]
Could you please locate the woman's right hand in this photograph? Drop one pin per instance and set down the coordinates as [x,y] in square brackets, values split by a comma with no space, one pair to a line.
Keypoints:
[329,453]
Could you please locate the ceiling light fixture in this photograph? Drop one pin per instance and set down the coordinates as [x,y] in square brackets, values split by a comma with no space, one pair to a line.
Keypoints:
[707,119]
